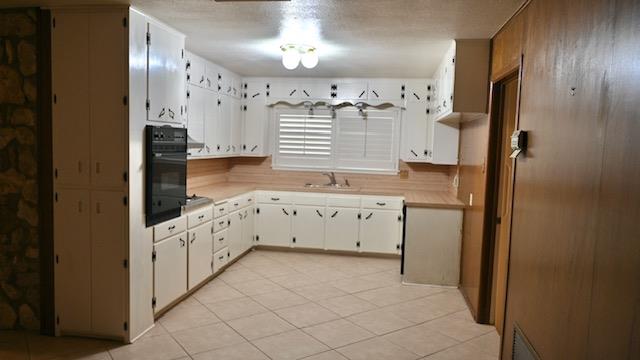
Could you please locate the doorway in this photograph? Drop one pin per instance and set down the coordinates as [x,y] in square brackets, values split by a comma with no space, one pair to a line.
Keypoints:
[501,173]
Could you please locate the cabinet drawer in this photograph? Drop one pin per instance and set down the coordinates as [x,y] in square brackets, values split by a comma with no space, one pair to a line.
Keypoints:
[270,197]
[168,228]
[390,203]
[220,259]
[344,201]
[248,199]
[220,209]
[234,204]
[199,217]
[220,240]
[310,199]
[220,223]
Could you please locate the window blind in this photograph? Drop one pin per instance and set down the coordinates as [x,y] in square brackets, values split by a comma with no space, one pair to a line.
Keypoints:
[304,139]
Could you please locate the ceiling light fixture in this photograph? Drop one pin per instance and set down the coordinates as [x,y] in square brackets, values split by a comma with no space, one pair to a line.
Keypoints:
[293,54]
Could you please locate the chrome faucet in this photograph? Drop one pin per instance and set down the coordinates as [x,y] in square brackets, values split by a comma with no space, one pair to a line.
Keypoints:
[332,178]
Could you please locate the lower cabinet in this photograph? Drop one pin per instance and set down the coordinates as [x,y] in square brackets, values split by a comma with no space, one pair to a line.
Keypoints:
[170,270]
[200,253]
[234,233]
[342,229]
[308,227]
[274,225]
[248,228]
[220,259]
[381,231]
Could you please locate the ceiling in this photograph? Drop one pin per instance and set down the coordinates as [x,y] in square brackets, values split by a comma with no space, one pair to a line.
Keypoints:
[354,38]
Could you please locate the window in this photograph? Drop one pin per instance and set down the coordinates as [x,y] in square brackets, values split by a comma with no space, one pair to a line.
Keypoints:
[353,140]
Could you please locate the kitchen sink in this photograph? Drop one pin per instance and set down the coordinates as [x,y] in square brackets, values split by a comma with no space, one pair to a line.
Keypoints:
[343,187]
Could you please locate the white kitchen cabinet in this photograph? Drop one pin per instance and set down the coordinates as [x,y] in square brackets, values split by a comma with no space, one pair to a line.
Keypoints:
[308,227]
[169,270]
[200,254]
[211,122]
[248,228]
[315,89]
[351,90]
[220,240]
[380,231]
[196,98]
[223,133]
[418,90]
[234,234]
[236,125]
[283,90]
[417,132]
[273,225]
[444,138]
[342,229]
[230,84]
[386,90]
[255,120]
[166,80]
[196,70]
[212,76]
[220,259]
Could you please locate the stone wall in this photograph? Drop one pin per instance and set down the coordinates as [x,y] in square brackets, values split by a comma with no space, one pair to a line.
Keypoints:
[19,262]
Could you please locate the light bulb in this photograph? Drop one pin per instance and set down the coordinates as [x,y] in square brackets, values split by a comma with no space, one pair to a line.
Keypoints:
[310,59]
[290,58]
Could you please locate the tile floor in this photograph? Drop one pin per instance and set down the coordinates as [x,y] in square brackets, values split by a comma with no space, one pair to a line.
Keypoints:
[282,305]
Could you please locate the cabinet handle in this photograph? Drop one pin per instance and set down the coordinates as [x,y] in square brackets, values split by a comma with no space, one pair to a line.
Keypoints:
[201,79]
[381,203]
[221,257]
[334,214]
[285,212]
[295,212]
[414,153]
[318,212]
[416,95]
[306,93]
[170,228]
[293,92]
[201,217]
[375,93]
[255,95]
[275,199]
[182,243]
[254,148]
[369,216]
[193,238]
[221,239]
[162,112]
[221,223]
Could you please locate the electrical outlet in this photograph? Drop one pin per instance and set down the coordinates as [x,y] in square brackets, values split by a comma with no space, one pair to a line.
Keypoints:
[470,199]
[404,174]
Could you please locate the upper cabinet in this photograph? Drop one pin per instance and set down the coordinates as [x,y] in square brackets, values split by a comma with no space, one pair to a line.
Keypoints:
[350,90]
[166,80]
[386,90]
[315,89]
[462,81]
[196,70]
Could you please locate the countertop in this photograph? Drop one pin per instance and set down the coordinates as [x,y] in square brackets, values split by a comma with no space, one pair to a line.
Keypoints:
[427,199]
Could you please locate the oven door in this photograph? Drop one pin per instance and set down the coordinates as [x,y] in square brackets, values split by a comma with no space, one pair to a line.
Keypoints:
[166,186]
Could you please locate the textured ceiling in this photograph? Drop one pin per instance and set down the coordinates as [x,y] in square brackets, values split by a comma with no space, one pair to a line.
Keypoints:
[355,38]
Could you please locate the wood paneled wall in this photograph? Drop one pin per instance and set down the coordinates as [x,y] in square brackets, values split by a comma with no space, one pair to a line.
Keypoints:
[574,283]
[417,177]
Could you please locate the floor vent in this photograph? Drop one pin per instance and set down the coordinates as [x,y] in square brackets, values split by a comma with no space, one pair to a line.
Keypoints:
[522,349]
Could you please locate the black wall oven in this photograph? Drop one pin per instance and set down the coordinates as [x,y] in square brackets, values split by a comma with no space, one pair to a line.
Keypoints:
[166,173]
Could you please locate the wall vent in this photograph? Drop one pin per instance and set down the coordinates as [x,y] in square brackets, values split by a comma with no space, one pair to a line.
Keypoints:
[522,349]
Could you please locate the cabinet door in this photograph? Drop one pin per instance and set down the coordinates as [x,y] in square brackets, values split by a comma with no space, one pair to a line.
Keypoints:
[170,270]
[444,143]
[71,234]
[196,98]
[71,130]
[415,128]
[200,254]
[107,87]
[342,229]
[109,248]
[284,89]
[274,225]
[385,90]
[379,230]
[223,136]
[166,80]
[236,126]
[315,89]
[418,90]
[234,233]
[248,228]
[308,227]
[211,122]
[225,81]
[196,70]
[211,74]
[256,119]
[352,90]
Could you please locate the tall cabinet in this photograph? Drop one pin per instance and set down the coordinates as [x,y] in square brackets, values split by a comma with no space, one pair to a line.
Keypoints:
[101,286]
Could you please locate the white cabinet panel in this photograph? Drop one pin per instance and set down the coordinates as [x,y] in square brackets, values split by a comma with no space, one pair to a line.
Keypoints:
[223,133]
[236,126]
[315,89]
[380,230]
[170,270]
[220,240]
[234,233]
[248,227]
[415,125]
[342,229]
[71,231]
[166,81]
[283,89]
[274,225]
[211,122]
[200,254]
[220,223]
[385,90]
[109,248]
[418,90]
[255,120]
[212,77]
[356,90]
[308,227]
[196,70]
[220,259]
[196,98]
[199,217]
[444,143]
[169,228]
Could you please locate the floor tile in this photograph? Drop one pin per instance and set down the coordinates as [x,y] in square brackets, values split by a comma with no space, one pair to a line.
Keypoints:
[206,338]
[450,299]
[234,276]
[294,280]
[48,347]
[458,326]
[397,294]
[237,308]
[338,333]
[243,351]
[319,291]
[306,315]
[181,317]
[162,347]
[420,340]
[326,274]
[420,310]
[380,321]
[376,349]
[256,287]
[488,343]
[215,293]
[357,284]
[280,299]
[290,345]
[463,351]
[327,355]
[261,325]
[156,330]
[346,305]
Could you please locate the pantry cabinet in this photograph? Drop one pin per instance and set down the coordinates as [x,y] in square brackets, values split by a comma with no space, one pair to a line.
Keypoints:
[342,231]
[200,254]
[165,69]
[274,225]
[308,227]
[169,270]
